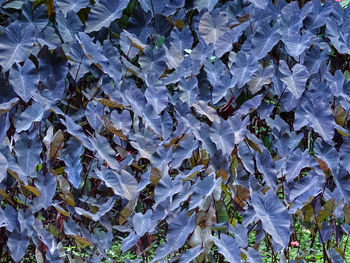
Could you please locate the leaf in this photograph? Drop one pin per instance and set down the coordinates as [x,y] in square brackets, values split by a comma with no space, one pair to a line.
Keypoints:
[166,187]
[181,39]
[188,90]
[317,115]
[98,55]
[179,229]
[110,127]
[273,215]
[266,166]
[17,244]
[183,150]
[16,43]
[73,169]
[53,69]
[297,43]
[240,195]
[318,15]
[203,108]
[243,69]
[340,116]
[152,63]
[338,36]
[31,15]
[295,79]
[203,189]
[326,210]
[24,79]
[157,97]
[208,4]
[103,13]
[123,184]
[68,25]
[61,210]
[253,256]
[265,38]
[32,189]
[223,136]
[261,77]
[191,254]
[47,187]
[228,247]
[314,58]
[142,222]
[26,221]
[327,154]
[126,211]
[211,28]
[94,114]
[28,153]
[77,132]
[342,181]
[38,256]
[343,154]
[34,112]
[250,105]
[110,103]
[104,150]
[296,162]
[56,145]
[14,4]
[67,5]
[82,242]
[335,256]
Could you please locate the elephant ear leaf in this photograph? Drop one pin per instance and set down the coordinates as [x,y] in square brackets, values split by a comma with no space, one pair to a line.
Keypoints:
[223,136]
[335,256]
[262,4]
[191,254]
[16,43]
[273,215]
[265,38]
[17,244]
[320,118]
[123,184]
[103,13]
[295,79]
[24,79]
[67,5]
[201,4]
[228,247]
[180,228]
[28,153]
[211,28]
[47,187]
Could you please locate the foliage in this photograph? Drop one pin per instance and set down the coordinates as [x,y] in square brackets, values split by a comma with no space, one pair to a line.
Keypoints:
[179,127]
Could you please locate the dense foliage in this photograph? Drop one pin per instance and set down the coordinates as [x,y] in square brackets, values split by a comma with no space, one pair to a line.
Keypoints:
[202,129]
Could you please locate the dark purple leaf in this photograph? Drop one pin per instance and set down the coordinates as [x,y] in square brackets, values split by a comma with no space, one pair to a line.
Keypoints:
[274,216]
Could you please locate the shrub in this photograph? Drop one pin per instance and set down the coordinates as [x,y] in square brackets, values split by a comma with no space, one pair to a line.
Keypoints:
[198,130]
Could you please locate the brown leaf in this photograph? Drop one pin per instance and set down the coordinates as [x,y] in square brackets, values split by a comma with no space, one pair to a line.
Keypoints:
[32,189]
[57,144]
[126,212]
[340,116]
[110,103]
[239,194]
[109,126]
[253,145]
